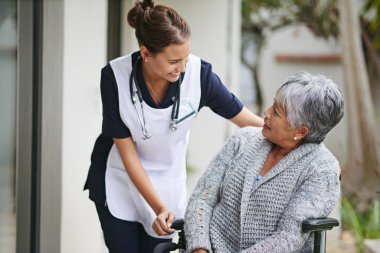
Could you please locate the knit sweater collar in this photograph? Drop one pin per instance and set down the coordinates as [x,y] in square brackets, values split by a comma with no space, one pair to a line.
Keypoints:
[258,150]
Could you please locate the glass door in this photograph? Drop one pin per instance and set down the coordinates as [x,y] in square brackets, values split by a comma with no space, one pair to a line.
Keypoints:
[8,60]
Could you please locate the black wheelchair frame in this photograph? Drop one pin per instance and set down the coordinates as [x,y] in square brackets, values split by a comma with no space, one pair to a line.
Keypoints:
[318,226]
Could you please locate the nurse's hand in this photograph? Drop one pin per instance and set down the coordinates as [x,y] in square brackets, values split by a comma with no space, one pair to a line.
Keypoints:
[163,222]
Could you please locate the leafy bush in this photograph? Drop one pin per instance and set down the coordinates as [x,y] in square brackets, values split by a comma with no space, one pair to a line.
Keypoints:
[362,225]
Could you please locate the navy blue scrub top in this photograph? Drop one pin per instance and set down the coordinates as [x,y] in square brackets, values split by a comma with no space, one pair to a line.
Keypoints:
[213,94]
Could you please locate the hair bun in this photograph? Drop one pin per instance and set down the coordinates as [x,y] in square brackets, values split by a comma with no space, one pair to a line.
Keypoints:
[138,11]
[151,22]
[147,4]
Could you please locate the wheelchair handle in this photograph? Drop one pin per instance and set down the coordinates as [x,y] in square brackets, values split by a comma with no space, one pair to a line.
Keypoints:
[178,224]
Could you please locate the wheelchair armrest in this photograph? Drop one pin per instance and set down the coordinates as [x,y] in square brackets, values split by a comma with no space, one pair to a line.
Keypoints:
[178,224]
[319,224]
[165,247]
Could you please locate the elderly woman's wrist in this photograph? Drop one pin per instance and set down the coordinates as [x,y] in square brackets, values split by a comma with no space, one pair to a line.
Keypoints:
[200,250]
[198,246]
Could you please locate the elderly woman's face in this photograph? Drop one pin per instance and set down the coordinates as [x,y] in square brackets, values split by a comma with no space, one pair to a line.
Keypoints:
[277,128]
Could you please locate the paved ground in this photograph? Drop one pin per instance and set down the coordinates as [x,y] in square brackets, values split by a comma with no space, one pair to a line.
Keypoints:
[344,244]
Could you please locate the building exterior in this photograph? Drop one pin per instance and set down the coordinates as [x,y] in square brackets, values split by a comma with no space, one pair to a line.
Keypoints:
[51,104]
[56,53]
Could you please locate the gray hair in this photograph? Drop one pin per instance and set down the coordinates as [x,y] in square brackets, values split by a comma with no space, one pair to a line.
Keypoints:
[313,101]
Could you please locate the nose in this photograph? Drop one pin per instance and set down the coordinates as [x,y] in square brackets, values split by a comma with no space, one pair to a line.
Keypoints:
[181,67]
[267,114]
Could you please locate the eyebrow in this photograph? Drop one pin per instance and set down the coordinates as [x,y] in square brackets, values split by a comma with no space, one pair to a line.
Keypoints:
[275,103]
[180,58]
[276,107]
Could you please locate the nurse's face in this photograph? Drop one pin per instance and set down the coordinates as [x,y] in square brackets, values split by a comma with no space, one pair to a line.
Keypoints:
[170,62]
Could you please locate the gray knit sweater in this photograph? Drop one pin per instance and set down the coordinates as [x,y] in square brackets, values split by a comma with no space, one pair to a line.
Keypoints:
[228,212]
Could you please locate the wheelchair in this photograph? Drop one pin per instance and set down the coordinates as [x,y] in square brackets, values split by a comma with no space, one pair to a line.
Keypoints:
[317,226]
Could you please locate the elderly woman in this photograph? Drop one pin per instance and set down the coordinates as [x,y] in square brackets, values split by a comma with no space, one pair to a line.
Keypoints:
[264,182]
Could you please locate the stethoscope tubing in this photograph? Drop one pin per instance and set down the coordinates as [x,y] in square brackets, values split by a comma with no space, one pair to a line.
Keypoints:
[141,117]
[133,93]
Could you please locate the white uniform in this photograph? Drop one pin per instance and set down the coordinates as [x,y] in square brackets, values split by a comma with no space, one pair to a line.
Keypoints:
[163,156]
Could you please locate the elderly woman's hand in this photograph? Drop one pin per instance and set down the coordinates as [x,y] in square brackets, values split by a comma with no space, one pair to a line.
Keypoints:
[163,222]
[200,251]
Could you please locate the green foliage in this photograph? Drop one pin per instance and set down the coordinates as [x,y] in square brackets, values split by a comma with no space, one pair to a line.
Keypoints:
[371,12]
[262,16]
[265,14]
[362,225]
[320,16]
[190,169]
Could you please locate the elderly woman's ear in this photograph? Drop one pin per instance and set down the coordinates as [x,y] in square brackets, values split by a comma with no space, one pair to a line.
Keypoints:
[300,133]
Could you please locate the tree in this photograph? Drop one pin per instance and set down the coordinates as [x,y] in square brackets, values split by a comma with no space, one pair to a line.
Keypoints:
[362,174]
[370,24]
[259,17]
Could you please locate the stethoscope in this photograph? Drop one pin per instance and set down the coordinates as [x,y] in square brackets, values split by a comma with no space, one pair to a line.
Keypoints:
[136,94]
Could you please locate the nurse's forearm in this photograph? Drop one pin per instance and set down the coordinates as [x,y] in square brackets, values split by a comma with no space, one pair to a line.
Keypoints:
[137,173]
[247,118]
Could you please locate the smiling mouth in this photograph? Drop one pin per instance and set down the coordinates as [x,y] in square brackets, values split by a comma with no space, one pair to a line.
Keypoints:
[266,126]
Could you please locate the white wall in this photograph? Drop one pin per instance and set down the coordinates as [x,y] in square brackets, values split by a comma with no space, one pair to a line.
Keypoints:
[85,37]
[215,38]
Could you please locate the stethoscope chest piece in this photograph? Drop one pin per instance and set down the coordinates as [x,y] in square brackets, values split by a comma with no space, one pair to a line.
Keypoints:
[173,126]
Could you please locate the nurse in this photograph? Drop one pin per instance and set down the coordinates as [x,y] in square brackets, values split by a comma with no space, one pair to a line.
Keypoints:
[137,177]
